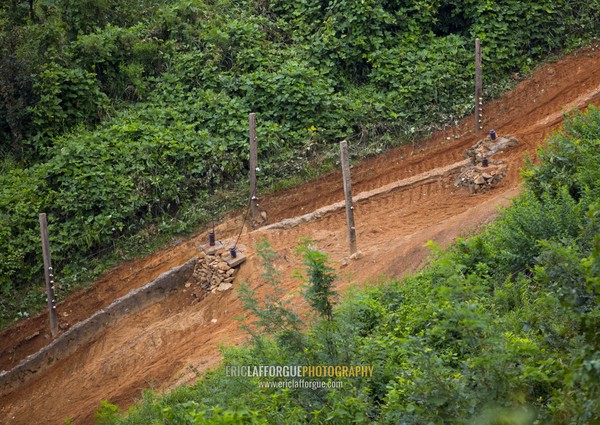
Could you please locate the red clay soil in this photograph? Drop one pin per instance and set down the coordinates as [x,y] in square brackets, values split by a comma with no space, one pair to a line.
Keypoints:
[174,341]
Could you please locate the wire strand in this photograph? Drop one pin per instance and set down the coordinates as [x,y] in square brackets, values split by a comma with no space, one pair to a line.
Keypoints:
[245,218]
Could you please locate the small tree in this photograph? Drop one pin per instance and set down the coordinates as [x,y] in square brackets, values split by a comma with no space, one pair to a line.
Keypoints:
[272,314]
[319,293]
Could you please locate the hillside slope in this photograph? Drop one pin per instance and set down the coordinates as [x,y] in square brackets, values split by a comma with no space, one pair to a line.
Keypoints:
[172,342]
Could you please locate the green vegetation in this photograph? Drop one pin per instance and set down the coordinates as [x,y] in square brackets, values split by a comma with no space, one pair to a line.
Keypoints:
[127,118]
[503,328]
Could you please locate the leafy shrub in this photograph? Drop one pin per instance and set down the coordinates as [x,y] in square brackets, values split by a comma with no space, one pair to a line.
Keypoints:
[273,315]
[319,292]
[569,159]
[66,97]
[426,79]
[514,243]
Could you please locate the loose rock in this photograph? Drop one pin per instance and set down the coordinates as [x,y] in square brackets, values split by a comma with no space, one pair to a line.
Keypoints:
[224,286]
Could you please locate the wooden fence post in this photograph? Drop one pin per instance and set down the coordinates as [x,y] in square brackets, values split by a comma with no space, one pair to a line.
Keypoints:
[253,167]
[49,273]
[478,89]
[348,196]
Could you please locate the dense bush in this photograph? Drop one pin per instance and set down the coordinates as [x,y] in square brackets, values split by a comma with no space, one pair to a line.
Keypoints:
[120,47]
[114,113]
[502,328]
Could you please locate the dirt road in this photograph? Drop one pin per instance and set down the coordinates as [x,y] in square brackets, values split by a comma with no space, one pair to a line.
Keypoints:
[174,341]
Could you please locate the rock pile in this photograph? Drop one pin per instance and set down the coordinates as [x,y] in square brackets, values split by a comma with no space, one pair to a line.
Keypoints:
[483,172]
[478,178]
[485,148]
[214,271]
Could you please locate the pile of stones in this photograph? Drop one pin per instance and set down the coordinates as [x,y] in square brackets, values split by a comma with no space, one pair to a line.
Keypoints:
[483,172]
[478,178]
[215,270]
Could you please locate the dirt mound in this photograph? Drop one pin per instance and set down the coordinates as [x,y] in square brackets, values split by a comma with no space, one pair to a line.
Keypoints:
[174,341]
